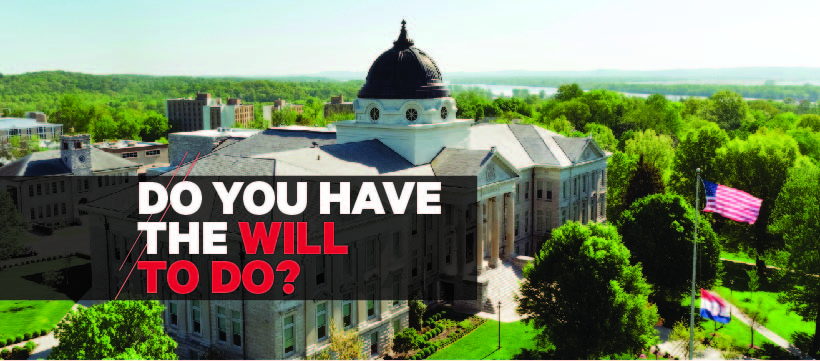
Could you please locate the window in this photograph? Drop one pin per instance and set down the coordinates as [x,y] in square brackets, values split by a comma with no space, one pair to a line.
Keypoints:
[396,290]
[222,323]
[152,152]
[516,224]
[526,222]
[63,208]
[539,225]
[53,187]
[48,211]
[321,321]
[289,334]
[396,326]
[85,184]
[371,306]
[539,190]
[56,209]
[320,270]
[374,343]
[347,309]
[396,245]
[196,316]
[236,322]
[527,190]
[370,250]
[78,145]
[39,189]
[172,306]
[374,114]
[31,191]
[99,182]
[411,114]
[549,191]
[443,113]
[62,186]
[129,155]
[40,212]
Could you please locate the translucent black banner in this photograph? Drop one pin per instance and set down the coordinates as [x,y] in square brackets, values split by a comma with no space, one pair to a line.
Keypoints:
[241,238]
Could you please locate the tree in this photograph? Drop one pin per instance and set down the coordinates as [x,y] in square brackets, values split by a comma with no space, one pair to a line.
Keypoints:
[659,231]
[601,308]
[758,166]
[568,92]
[784,121]
[602,135]
[344,345]
[114,328]
[758,315]
[680,333]
[696,150]
[811,121]
[657,113]
[619,168]
[406,340]
[605,106]
[11,227]
[417,309]
[808,141]
[575,111]
[727,109]
[154,127]
[644,182]
[795,219]
[656,149]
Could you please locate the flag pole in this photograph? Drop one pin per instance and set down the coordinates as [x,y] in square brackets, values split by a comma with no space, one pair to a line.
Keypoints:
[694,268]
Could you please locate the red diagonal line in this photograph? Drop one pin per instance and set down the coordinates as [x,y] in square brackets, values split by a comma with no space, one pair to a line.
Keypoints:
[146,245]
[151,215]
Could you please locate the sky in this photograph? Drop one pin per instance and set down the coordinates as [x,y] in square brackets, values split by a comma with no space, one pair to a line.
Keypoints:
[273,38]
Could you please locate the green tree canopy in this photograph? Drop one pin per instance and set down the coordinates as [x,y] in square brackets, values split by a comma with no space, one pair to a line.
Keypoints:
[697,150]
[645,181]
[575,111]
[602,135]
[600,308]
[656,149]
[620,168]
[758,166]
[114,328]
[811,121]
[795,217]
[568,92]
[728,109]
[659,231]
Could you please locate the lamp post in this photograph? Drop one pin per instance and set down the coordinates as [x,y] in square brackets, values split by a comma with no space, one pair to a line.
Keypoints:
[499,325]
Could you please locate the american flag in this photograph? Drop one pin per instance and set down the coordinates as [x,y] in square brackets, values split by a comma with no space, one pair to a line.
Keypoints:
[731,203]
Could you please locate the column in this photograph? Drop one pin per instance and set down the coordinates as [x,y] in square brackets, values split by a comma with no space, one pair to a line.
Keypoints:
[479,249]
[510,247]
[496,231]
[461,238]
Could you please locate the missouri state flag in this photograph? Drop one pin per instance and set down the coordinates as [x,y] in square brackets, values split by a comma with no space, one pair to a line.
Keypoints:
[731,203]
[713,308]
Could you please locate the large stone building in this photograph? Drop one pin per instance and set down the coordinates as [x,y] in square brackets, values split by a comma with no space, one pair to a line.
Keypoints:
[47,186]
[25,128]
[337,105]
[530,180]
[205,112]
[147,154]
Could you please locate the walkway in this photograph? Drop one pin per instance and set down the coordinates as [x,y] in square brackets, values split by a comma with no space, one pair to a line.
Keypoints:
[504,284]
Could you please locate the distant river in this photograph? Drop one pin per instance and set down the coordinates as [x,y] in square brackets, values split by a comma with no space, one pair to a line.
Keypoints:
[507,90]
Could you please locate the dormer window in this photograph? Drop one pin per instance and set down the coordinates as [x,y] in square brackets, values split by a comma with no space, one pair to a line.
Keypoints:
[78,145]
[374,114]
[411,114]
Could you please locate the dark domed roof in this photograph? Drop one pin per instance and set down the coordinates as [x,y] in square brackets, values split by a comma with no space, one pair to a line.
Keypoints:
[404,72]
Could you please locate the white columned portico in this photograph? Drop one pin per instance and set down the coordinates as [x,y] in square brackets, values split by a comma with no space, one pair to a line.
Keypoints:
[496,230]
[510,204]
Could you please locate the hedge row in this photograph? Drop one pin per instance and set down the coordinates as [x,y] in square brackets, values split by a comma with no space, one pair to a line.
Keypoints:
[42,259]
[18,352]
[431,348]
[24,337]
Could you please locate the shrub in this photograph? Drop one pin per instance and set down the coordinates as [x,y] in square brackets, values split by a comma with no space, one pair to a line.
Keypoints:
[4,354]
[30,346]
[43,332]
[27,336]
[9,341]
[406,340]
[2,343]
[18,339]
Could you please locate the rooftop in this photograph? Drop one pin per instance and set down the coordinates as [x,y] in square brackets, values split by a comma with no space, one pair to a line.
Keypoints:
[124,144]
[11,123]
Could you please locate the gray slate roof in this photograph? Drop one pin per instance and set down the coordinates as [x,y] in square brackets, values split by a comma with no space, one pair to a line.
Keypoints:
[533,144]
[460,162]
[48,163]
[276,140]
[572,147]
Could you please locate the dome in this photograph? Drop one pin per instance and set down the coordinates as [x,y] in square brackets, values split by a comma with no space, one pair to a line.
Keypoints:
[404,72]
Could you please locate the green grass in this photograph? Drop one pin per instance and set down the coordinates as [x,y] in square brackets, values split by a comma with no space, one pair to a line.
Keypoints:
[482,343]
[736,256]
[20,317]
[781,321]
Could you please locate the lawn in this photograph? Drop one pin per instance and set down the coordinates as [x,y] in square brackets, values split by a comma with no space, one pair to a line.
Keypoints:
[781,321]
[482,343]
[20,317]
[44,306]
[736,256]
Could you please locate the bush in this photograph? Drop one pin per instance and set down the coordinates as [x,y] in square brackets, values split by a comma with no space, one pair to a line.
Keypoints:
[9,341]
[30,346]
[2,343]
[18,339]
[406,340]
[43,332]
[27,336]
